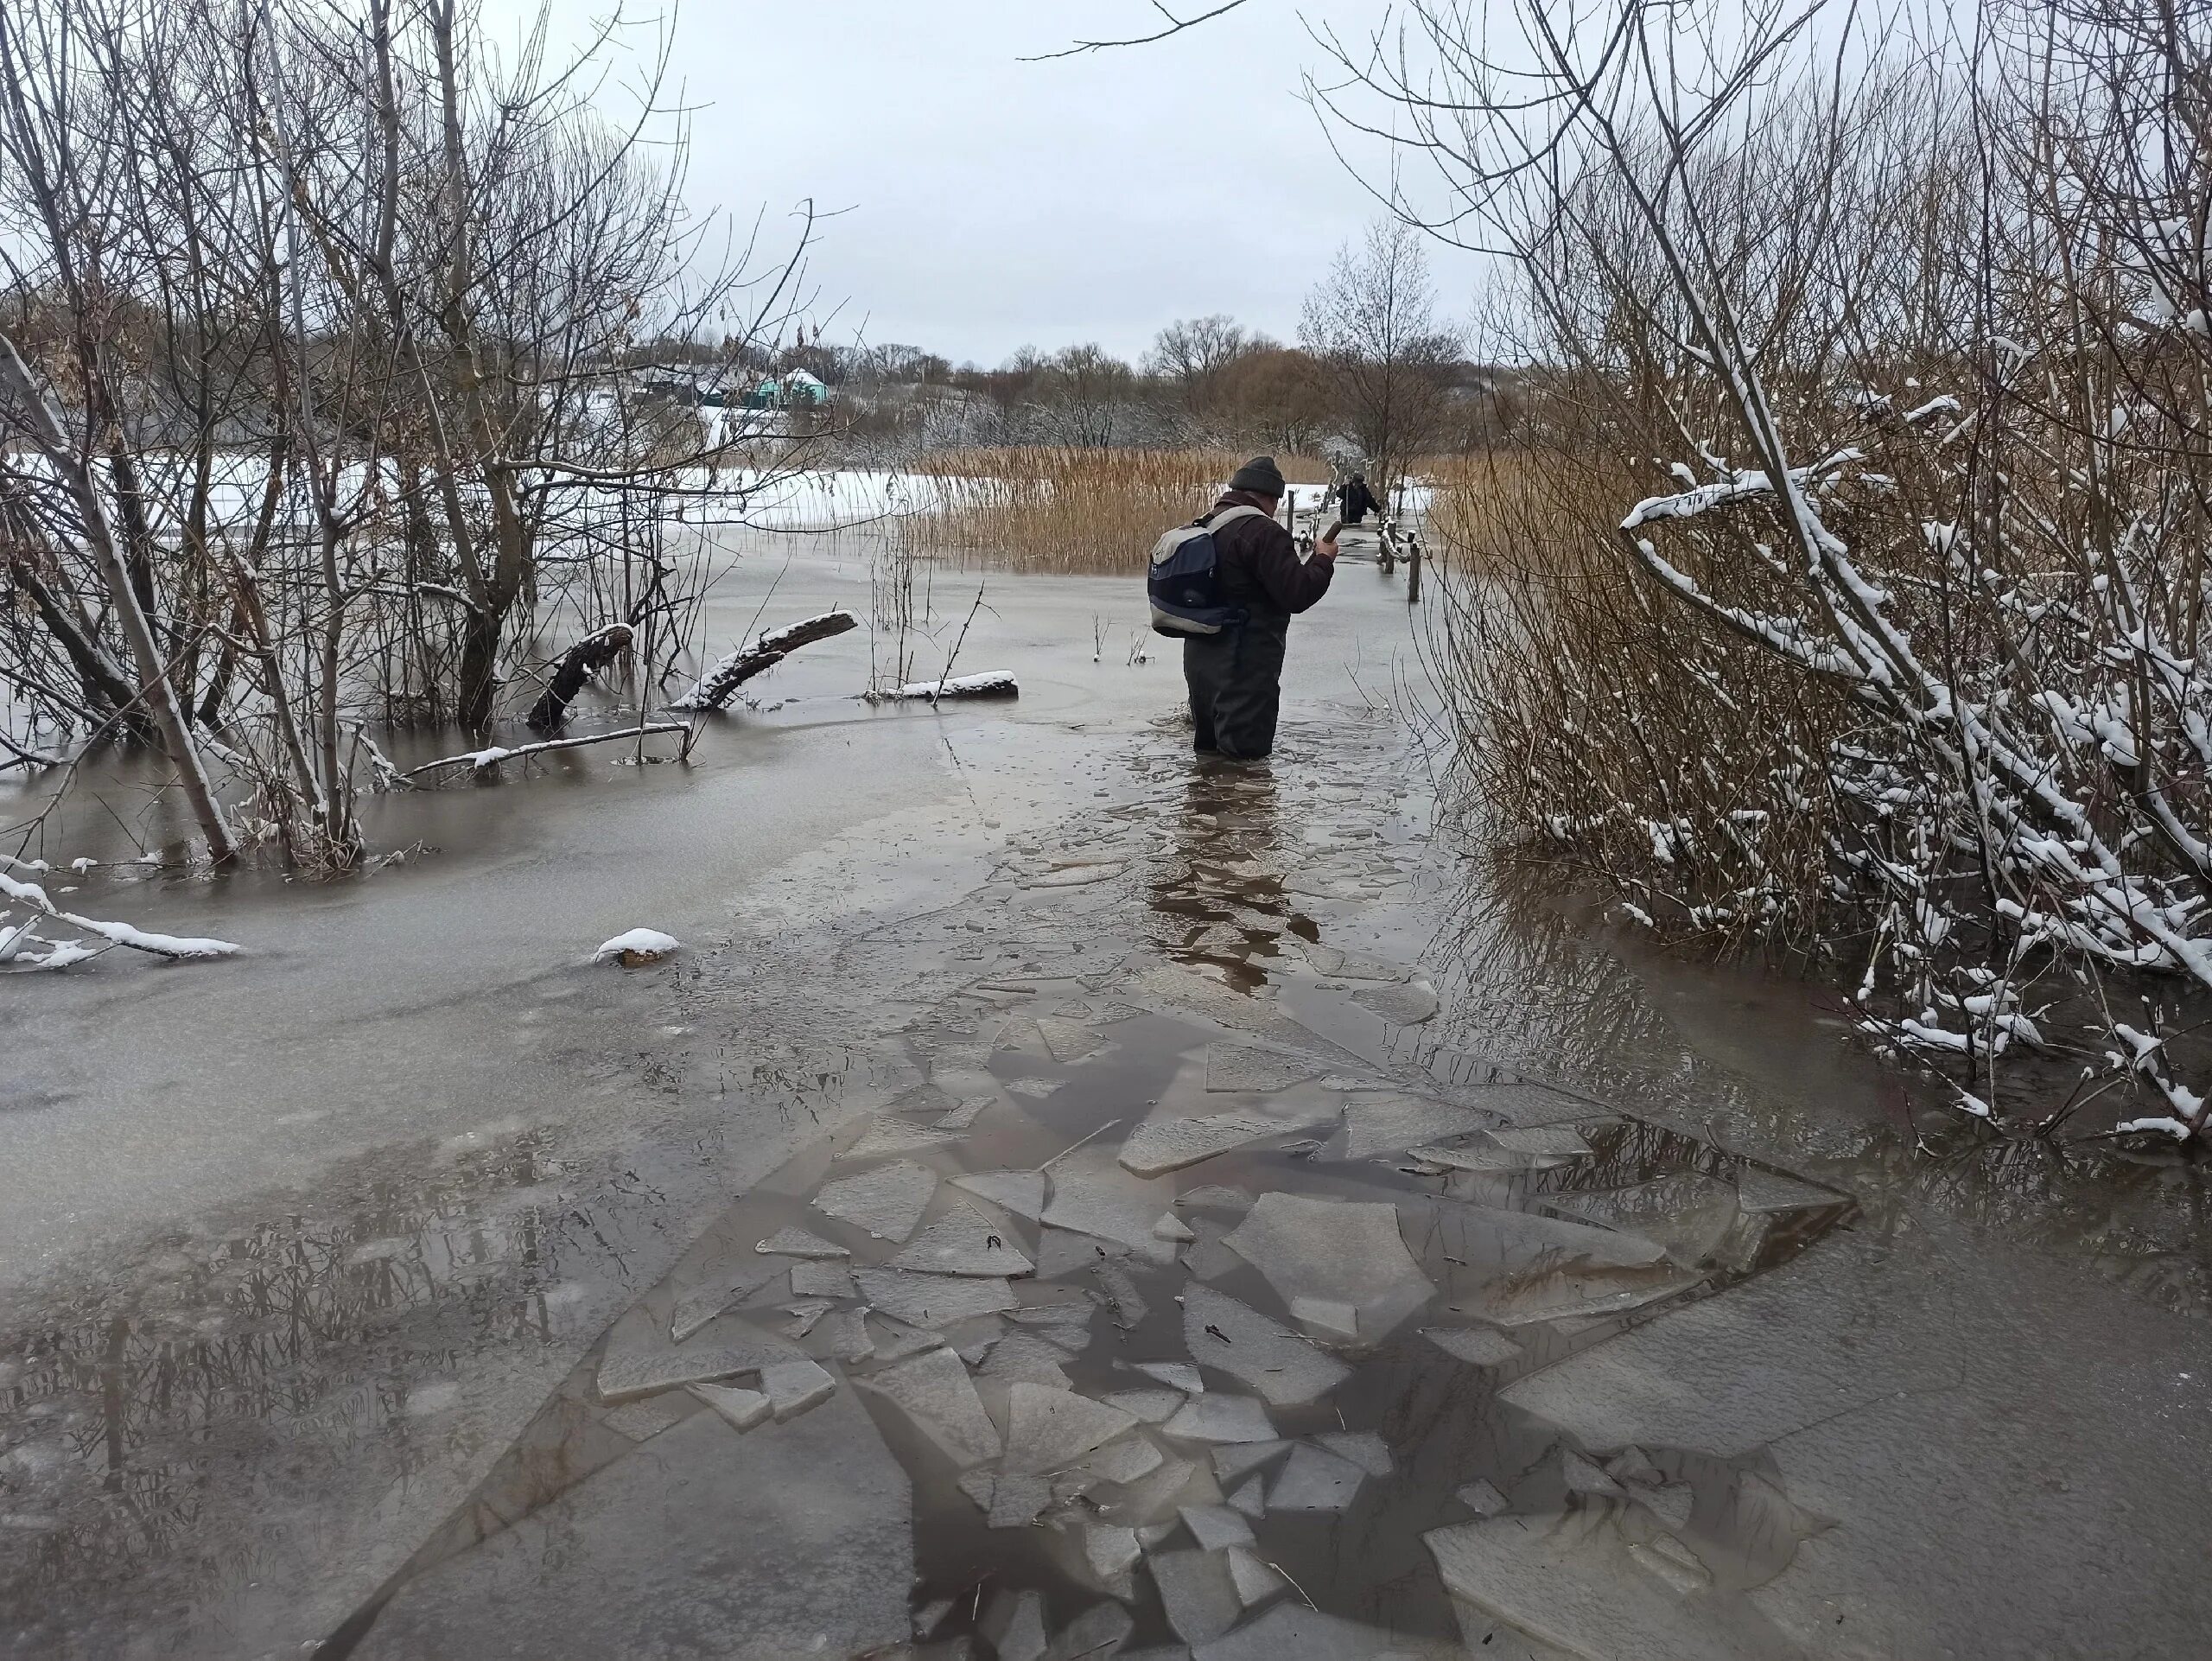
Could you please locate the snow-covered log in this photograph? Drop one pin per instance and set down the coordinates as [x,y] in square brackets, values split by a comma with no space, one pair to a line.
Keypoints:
[719,683]
[484,760]
[990,683]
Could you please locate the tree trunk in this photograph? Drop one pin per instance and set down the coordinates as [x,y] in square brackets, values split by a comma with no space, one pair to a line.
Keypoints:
[17,388]
[479,663]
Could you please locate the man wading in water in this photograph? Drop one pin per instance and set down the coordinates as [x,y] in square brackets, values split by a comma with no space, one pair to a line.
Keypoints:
[1235,676]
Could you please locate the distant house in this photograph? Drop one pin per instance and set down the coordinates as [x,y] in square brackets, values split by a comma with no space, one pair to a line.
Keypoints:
[796,389]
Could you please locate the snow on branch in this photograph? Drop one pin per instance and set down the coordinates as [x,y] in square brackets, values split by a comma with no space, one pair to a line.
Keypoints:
[719,683]
[173,947]
[485,759]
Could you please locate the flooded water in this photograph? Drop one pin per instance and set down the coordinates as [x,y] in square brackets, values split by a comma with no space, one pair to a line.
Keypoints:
[1063,1200]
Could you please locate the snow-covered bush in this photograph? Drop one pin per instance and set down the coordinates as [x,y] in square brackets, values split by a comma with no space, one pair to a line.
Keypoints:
[1857,583]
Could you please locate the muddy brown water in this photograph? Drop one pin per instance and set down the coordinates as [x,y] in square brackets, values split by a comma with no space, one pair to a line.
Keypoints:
[312,1269]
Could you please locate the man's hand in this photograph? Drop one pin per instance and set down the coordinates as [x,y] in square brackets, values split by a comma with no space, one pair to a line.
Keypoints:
[1326,550]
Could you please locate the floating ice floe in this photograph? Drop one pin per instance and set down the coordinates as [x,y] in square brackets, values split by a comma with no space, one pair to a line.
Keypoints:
[1336,1253]
[934,1391]
[887,1201]
[963,1242]
[1267,1356]
[931,1299]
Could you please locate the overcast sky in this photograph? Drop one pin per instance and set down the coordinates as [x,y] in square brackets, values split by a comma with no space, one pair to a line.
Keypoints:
[990,203]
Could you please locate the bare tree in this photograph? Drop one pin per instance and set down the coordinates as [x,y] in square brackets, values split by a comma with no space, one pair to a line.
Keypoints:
[1195,356]
[1888,375]
[327,382]
[1371,324]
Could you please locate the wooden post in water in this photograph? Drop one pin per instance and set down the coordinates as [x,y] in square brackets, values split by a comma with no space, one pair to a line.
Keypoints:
[1413,568]
[1290,509]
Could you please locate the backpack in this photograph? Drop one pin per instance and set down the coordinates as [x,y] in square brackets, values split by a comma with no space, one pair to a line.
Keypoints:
[1184,581]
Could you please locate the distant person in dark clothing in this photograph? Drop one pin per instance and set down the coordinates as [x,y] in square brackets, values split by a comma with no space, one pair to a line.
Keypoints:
[1358,499]
[1235,676]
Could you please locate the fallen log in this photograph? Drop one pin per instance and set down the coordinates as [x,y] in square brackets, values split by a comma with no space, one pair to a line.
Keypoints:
[719,683]
[582,660]
[483,760]
[991,683]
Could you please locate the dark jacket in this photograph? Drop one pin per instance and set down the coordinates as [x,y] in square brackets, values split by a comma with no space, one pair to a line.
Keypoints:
[1358,499]
[1259,564]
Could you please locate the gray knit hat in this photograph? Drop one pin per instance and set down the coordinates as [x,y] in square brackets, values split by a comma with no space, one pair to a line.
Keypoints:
[1259,475]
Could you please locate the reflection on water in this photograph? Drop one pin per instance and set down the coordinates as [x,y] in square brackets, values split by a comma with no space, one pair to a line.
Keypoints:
[142,1427]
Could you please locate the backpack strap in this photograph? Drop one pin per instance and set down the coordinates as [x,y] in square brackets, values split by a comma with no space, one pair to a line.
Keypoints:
[1242,509]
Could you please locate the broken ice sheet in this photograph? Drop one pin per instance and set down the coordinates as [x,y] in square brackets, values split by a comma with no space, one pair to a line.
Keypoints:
[1047,1429]
[1092,1194]
[1164,1144]
[1313,1478]
[894,1135]
[1020,1358]
[1014,1624]
[1362,1448]
[964,1113]
[1214,1196]
[887,1201]
[1480,1346]
[1125,1460]
[931,1299]
[1158,1496]
[1374,1125]
[1253,1580]
[1267,1356]
[631,1369]
[1473,1243]
[795,1241]
[895,1340]
[1153,1406]
[1215,1417]
[1481,1497]
[1233,1459]
[743,1407]
[1196,1591]
[1336,1252]
[1570,1295]
[962,1242]
[1021,1192]
[699,1302]
[1216,1528]
[1176,1375]
[1246,1067]
[1110,1549]
[821,1280]
[1759,1190]
[844,1336]
[794,1386]
[1060,1253]
[1689,1215]
[1017,1501]
[1406,1004]
[1096,1634]
[933,1390]
[1326,1318]
[1578,1589]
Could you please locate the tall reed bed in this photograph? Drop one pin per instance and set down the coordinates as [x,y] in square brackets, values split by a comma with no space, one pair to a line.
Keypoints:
[1068,509]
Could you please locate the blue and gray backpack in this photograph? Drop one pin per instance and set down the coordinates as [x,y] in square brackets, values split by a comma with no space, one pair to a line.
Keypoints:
[1184,581]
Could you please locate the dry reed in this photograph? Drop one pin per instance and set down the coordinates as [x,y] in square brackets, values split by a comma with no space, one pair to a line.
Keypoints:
[1068,509]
